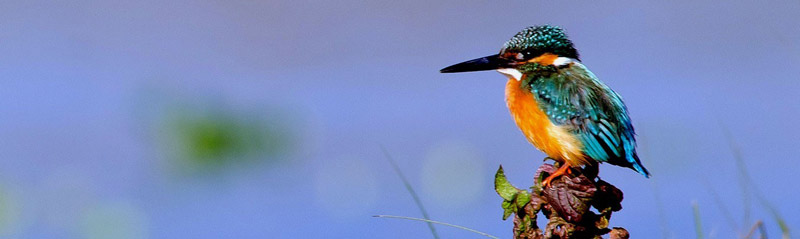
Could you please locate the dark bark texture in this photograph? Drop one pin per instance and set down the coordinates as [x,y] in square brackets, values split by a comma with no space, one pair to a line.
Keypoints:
[566,203]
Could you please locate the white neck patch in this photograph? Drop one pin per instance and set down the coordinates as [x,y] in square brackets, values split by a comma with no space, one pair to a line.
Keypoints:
[563,61]
[511,72]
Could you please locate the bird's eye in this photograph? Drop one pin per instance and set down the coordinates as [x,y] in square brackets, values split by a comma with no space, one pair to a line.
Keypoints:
[520,56]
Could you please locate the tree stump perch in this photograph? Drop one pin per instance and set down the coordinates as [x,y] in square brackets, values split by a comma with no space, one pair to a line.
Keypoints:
[565,203]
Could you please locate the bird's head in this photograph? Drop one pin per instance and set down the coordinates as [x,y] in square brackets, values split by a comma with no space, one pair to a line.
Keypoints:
[543,45]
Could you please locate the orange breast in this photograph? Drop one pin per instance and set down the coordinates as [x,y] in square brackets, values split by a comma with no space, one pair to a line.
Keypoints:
[553,140]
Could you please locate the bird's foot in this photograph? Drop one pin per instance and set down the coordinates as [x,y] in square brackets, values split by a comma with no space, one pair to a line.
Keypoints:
[563,170]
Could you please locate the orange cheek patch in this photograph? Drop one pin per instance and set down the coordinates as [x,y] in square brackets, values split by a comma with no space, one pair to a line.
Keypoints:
[510,55]
[545,59]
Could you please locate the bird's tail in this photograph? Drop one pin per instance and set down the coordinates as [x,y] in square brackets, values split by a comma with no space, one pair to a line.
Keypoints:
[637,165]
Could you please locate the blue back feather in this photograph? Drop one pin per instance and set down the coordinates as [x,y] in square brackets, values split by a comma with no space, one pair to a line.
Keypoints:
[573,97]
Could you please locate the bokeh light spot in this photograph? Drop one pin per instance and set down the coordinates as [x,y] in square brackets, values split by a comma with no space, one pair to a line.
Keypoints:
[10,212]
[114,220]
[452,174]
[345,187]
[65,193]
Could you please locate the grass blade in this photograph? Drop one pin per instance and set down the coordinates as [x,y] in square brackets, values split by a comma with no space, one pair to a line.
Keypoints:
[747,183]
[721,205]
[411,191]
[760,226]
[777,216]
[437,222]
[698,227]
[744,177]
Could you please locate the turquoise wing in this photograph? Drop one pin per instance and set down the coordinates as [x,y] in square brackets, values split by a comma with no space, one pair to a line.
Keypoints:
[572,96]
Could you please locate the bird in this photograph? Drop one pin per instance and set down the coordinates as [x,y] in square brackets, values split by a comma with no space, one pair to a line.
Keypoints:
[560,106]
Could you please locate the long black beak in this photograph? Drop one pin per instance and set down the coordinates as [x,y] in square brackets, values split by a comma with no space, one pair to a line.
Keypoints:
[492,62]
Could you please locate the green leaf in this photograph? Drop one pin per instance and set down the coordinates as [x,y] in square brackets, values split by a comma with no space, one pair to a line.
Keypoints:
[509,207]
[503,187]
[522,199]
[507,212]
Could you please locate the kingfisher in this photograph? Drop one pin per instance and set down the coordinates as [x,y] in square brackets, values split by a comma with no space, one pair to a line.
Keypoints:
[560,106]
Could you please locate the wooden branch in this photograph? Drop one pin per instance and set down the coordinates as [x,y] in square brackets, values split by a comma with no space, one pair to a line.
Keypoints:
[565,203]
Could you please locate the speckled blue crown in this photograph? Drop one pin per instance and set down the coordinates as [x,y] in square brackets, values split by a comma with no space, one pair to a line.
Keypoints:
[538,40]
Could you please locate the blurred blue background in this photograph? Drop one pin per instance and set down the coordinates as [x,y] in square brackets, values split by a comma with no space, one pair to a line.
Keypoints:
[265,119]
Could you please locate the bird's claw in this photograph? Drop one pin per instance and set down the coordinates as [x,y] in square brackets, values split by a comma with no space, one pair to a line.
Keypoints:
[563,170]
